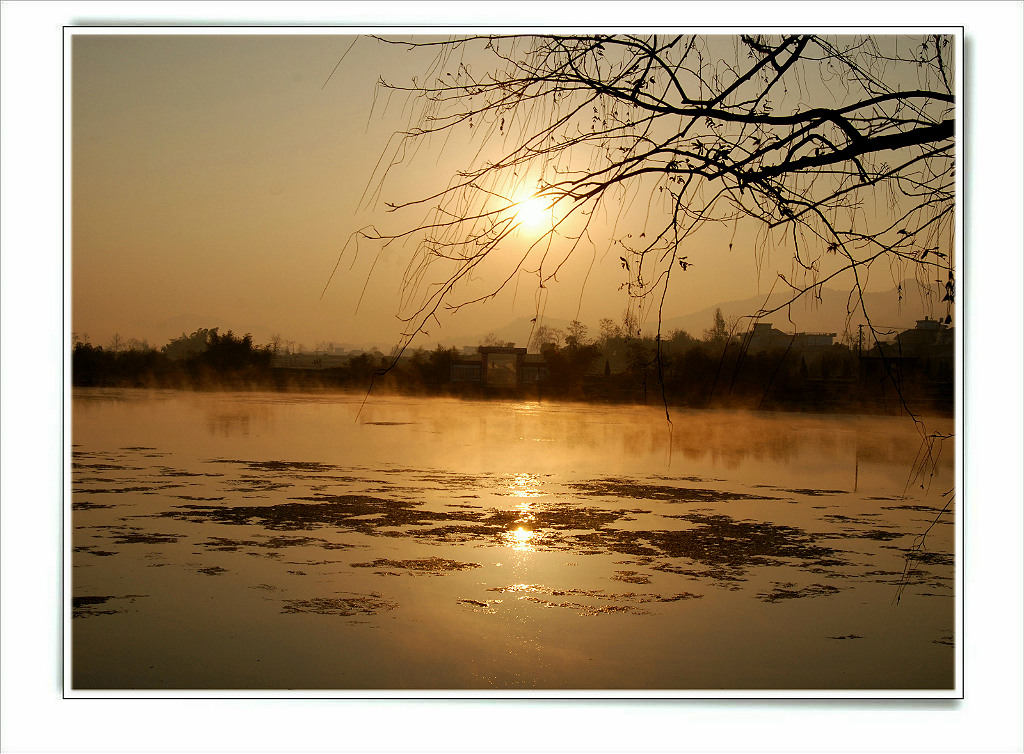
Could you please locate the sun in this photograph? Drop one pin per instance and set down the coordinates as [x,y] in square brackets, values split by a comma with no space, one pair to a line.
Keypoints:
[533,212]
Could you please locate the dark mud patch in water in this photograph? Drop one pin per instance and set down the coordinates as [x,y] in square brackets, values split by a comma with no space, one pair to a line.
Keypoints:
[346,607]
[213,570]
[848,636]
[424,565]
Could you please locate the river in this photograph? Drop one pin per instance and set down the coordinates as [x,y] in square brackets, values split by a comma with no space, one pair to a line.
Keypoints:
[274,541]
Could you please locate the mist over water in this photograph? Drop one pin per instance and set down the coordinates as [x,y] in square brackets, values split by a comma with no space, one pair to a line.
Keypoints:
[299,541]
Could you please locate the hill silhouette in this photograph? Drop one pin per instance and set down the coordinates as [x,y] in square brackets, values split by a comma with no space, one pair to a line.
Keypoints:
[889,312]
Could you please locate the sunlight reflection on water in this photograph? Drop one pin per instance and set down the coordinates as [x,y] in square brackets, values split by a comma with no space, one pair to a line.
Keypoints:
[519,539]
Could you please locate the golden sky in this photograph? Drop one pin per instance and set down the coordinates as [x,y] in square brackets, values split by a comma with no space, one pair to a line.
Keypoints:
[217,178]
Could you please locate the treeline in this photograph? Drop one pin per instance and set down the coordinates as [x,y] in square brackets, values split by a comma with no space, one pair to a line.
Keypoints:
[205,357]
[716,369]
[620,365]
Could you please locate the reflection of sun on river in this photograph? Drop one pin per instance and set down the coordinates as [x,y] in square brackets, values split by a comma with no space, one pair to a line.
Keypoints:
[523,486]
[519,539]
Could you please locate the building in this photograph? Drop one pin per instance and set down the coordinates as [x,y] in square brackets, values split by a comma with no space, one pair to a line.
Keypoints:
[764,337]
[503,367]
[926,351]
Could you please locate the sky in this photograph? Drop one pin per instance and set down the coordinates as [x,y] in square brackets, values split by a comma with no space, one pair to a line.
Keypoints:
[217,178]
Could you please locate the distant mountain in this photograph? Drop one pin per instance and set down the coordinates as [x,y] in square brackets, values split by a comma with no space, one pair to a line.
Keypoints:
[829,314]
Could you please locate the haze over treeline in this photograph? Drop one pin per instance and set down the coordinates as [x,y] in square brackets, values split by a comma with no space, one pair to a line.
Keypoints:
[727,364]
[892,310]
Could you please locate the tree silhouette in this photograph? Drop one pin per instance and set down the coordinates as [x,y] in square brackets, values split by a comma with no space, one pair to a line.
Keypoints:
[840,149]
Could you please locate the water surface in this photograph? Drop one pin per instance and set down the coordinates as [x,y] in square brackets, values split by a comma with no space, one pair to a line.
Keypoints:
[276,541]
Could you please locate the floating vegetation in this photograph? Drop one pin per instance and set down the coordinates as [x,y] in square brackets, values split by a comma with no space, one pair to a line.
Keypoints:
[479,606]
[93,551]
[213,570]
[848,636]
[627,602]
[273,543]
[85,607]
[423,565]
[915,508]
[526,588]
[104,466]
[631,577]
[879,535]
[728,577]
[590,610]
[279,466]
[134,538]
[717,540]
[86,505]
[638,491]
[347,511]
[357,604]
[455,481]
[928,557]
[785,591]
[168,471]
[147,489]
[812,493]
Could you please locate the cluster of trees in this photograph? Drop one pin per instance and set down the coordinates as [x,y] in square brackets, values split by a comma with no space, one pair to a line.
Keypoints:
[714,369]
[205,356]
[618,364]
